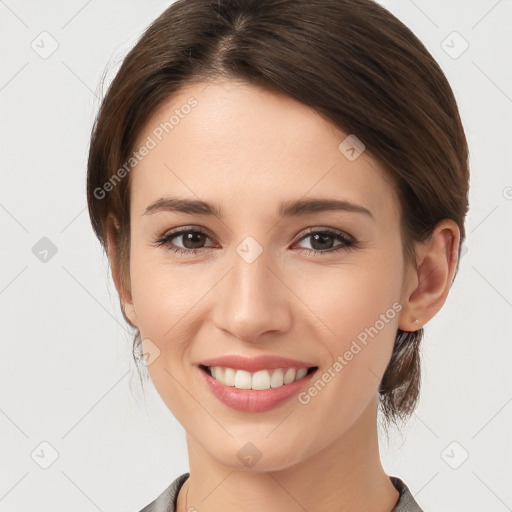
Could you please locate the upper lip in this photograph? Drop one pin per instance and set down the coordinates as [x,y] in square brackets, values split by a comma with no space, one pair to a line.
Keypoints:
[254,364]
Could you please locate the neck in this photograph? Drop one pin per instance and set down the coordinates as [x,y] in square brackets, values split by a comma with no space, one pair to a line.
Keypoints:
[346,475]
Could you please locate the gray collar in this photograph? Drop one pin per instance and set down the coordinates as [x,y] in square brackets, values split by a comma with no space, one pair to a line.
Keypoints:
[166,502]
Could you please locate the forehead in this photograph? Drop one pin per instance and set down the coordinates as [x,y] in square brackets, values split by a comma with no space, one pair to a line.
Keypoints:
[236,144]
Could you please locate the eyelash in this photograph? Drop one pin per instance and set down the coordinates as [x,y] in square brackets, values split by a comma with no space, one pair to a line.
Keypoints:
[348,243]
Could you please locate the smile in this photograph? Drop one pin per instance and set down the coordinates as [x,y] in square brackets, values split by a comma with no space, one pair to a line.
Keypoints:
[254,391]
[260,380]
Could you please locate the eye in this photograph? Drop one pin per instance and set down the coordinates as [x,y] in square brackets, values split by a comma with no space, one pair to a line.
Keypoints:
[192,240]
[322,241]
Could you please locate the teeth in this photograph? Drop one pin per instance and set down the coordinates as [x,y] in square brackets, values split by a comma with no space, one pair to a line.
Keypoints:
[263,379]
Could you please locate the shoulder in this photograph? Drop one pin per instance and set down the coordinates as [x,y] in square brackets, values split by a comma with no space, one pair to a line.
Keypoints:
[166,502]
[406,502]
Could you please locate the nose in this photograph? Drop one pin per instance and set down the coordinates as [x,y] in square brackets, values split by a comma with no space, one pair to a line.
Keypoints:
[252,300]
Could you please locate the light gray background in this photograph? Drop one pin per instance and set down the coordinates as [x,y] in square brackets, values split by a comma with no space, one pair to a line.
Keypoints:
[66,373]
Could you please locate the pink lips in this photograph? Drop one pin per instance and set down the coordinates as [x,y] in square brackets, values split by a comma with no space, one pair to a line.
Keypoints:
[254,364]
[252,400]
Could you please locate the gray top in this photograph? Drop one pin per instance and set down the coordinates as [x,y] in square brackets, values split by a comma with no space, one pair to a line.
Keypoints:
[166,502]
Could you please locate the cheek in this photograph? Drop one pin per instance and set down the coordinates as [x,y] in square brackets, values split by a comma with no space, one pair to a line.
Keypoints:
[153,291]
[357,310]
[167,297]
[350,298]
[164,298]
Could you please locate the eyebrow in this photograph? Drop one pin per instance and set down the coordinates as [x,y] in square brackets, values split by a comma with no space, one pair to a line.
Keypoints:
[287,209]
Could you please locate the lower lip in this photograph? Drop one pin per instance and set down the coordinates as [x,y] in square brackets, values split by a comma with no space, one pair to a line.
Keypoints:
[252,400]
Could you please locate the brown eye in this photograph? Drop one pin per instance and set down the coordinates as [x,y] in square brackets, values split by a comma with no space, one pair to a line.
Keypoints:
[322,242]
[192,241]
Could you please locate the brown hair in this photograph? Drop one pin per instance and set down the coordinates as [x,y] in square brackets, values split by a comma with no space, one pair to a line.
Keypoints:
[353,62]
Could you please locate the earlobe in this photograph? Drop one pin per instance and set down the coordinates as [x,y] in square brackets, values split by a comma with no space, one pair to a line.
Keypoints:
[122,287]
[428,285]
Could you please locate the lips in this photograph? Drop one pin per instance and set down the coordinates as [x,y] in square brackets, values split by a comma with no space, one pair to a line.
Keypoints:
[253,400]
[254,364]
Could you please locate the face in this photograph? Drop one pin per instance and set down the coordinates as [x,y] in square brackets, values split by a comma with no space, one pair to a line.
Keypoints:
[321,286]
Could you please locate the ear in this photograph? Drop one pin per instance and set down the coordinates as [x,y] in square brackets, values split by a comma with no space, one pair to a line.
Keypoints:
[426,287]
[122,287]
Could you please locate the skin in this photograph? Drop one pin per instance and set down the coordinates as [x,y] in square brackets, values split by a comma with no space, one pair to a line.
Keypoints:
[248,150]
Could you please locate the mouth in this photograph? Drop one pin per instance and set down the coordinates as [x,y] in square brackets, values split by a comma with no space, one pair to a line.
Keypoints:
[255,392]
[260,380]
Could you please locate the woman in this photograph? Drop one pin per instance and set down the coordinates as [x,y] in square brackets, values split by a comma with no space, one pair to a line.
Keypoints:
[281,188]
